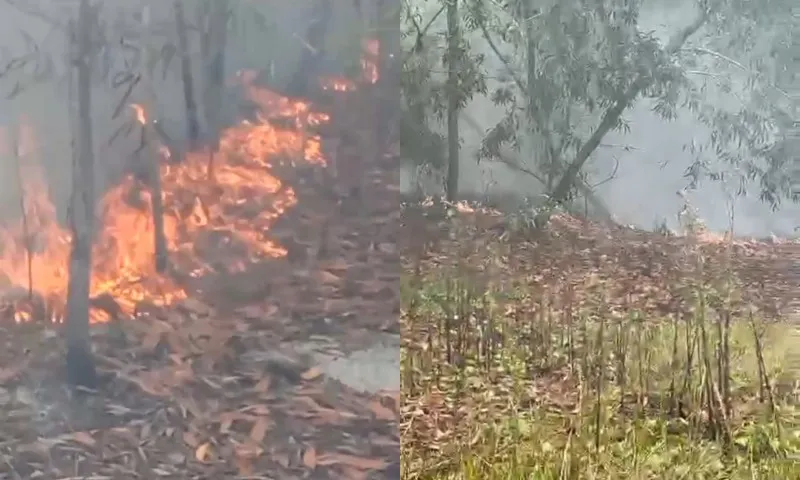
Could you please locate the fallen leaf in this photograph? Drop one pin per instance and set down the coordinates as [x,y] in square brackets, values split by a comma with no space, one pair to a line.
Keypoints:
[351,473]
[381,412]
[328,278]
[311,374]
[225,422]
[282,459]
[310,458]
[190,439]
[247,450]
[362,463]
[192,305]
[257,312]
[259,430]
[263,385]
[84,438]
[202,452]
[244,465]
[257,409]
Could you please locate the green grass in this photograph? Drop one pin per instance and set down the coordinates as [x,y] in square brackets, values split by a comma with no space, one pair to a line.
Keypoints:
[502,382]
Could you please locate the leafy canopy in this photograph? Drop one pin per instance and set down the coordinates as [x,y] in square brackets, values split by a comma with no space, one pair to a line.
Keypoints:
[566,71]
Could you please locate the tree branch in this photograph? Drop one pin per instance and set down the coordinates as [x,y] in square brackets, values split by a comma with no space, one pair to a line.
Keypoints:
[612,115]
[584,188]
[535,113]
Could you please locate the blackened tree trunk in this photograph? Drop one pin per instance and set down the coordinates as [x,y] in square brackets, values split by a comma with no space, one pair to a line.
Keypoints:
[192,125]
[153,152]
[217,40]
[80,361]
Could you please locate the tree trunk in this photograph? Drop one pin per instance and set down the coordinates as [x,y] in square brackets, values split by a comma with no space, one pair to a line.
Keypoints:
[152,150]
[453,54]
[551,161]
[80,361]
[217,40]
[313,52]
[611,116]
[389,75]
[192,125]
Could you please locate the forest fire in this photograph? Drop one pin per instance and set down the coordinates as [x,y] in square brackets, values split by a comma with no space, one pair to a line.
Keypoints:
[239,204]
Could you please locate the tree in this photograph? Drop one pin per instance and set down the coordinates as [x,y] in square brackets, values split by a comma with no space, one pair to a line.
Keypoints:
[428,100]
[213,21]
[569,70]
[306,73]
[150,138]
[182,34]
[389,61]
[86,47]
[453,140]
[80,361]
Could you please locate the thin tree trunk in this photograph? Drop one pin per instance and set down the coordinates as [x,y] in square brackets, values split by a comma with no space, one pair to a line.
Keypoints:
[551,162]
[453,54]
[192,125]
[80,361]
[388,74]
[153,153]
[215,73]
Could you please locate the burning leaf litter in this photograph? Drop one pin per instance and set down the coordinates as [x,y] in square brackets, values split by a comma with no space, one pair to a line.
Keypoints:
[184,395]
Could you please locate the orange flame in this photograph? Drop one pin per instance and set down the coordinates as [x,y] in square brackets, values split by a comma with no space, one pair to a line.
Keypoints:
[123,260]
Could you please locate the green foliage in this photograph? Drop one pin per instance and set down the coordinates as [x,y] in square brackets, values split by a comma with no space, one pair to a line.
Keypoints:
[741,95]
[565,71]
[423,86]
[576,392]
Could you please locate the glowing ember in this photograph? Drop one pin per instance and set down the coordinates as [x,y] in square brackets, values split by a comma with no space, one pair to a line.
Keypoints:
[338,84]
[242,202]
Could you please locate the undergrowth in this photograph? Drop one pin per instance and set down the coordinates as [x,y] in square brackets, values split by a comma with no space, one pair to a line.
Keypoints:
[502,379]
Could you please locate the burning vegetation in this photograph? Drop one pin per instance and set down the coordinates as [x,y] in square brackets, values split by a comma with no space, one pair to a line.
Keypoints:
[220,248]
[239,204]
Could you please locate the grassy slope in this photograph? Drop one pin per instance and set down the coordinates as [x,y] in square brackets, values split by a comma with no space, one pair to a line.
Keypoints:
[591,354]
